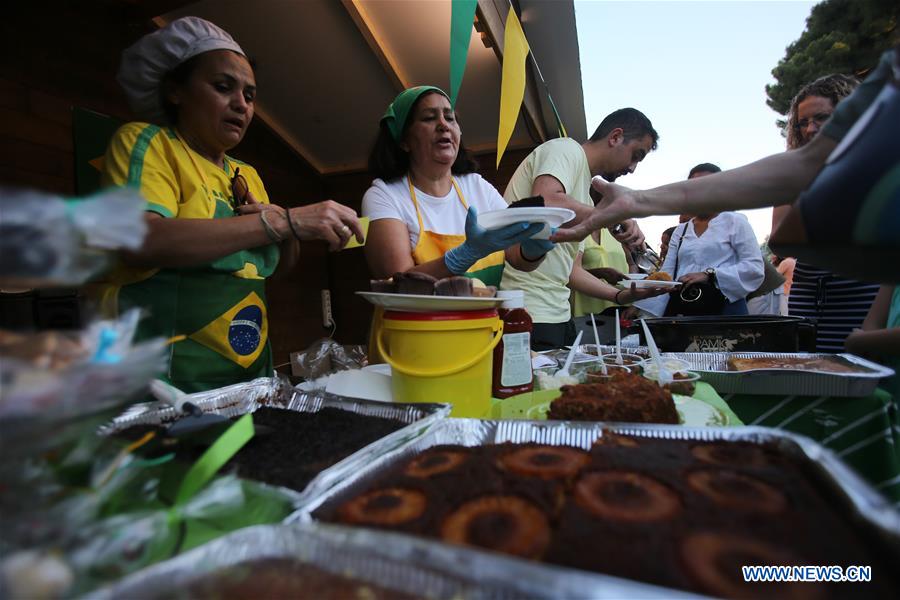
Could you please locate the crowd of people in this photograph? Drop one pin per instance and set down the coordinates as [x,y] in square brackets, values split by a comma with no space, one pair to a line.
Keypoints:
[214,236]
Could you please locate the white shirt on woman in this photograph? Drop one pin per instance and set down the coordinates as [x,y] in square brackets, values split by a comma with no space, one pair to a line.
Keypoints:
[728,245]
[444,214]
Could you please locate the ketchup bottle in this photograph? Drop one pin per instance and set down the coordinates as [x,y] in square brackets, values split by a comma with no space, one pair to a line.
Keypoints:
[512,356]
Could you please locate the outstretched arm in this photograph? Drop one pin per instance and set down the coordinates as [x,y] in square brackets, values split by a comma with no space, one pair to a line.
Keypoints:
[771,181]
[874,338]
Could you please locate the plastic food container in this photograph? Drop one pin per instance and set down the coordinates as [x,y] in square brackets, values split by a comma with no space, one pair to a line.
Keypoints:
[671,363]
[598,376]
[627,359]
[683,384]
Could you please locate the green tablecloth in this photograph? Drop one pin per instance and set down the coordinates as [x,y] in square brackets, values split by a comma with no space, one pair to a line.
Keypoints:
[864,432]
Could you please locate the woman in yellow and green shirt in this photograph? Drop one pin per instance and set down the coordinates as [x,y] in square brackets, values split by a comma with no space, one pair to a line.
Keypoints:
[213,236]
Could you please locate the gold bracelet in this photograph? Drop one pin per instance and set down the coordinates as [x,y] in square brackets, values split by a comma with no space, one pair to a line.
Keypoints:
[270,231]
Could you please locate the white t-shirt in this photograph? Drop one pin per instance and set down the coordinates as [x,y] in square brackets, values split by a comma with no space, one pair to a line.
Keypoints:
[728,245]
[546,288]
[444,215]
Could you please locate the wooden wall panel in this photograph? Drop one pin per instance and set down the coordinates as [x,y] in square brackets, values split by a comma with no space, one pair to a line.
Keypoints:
[65,56]
[348,272]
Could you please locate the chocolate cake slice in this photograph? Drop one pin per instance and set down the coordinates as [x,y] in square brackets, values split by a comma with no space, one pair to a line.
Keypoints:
[625,397]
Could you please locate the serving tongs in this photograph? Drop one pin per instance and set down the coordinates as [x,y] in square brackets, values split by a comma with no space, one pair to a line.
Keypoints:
[192,418]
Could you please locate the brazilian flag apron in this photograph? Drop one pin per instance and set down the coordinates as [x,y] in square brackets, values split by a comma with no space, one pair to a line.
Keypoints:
[432,245]
[221,308]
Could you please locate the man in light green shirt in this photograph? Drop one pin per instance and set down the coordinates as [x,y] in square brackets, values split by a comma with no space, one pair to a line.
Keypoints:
[560,170]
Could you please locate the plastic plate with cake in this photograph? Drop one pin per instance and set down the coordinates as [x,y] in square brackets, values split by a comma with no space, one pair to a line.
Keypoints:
[647,283]
[550,217]
[422,303]
[691,412]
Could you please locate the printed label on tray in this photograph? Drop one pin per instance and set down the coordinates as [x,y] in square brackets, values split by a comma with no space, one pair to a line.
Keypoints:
[516,368]
[716,343]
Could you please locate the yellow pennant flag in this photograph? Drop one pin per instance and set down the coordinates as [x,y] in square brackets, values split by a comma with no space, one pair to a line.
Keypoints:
[512,88]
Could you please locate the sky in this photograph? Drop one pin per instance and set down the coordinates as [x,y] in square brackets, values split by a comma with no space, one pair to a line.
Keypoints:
[698,70]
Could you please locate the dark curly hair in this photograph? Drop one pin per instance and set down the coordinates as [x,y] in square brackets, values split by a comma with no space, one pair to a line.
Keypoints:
[633,122]
[835,87]
[388,161]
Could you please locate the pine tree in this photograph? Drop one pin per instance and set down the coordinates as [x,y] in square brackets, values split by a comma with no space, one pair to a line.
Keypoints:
[841,36]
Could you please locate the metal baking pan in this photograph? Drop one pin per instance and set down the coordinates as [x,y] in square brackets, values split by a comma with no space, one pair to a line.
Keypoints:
[863,501]
[713,369]
[240,399]
[870,512]
[398,563]
[587,352]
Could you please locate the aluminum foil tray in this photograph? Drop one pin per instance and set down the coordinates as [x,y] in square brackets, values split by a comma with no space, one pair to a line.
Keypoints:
[399,563]
[240,399]
[231,401]
[586,352]
[856,499]
[713,369]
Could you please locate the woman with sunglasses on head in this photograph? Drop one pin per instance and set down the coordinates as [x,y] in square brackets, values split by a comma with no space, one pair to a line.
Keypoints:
[213,236]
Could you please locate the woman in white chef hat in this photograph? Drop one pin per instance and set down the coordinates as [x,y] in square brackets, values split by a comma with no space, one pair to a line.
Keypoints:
[213,235]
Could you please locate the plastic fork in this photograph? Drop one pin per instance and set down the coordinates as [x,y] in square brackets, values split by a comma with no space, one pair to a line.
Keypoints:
[619,360]
[597,344]
[564,372]
[662,374]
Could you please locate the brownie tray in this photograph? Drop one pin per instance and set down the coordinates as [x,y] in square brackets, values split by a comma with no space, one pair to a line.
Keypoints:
[713,369]
[240,399]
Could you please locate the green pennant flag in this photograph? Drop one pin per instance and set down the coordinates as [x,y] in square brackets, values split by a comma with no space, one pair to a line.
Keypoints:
[559,124]
[460,33]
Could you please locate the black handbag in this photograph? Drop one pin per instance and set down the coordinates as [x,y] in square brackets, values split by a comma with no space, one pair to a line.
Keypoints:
[697,299]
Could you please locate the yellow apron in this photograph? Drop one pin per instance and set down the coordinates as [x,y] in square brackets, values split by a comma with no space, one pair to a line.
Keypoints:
[432,245]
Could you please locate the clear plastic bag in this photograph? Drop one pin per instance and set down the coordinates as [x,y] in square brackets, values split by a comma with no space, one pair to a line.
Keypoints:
[113,547]
[325,357]
[108,370]
[48,241]
[104,511]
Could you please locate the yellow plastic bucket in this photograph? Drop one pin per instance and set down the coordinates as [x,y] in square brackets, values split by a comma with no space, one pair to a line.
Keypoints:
[442,357]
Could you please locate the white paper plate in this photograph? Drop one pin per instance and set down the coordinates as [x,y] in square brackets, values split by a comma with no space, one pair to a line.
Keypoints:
[361,383]
[636,276]
[419,303]
[550,217]
[697,413]
[383,368]
[648,283]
